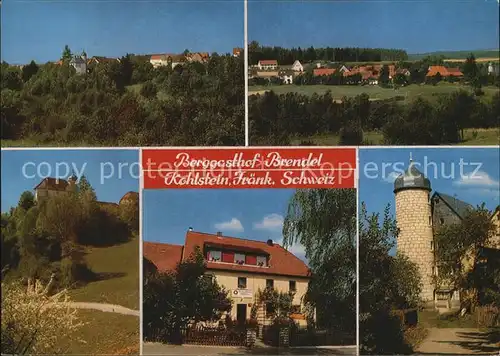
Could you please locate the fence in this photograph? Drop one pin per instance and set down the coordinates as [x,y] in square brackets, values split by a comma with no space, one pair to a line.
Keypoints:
[487,316]
[215,336]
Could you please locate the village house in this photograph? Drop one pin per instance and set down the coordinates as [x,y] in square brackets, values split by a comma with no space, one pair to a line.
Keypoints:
[200,57]
[102,60]
[161,60]
[286,76]
[79,62]
[297,66]
[318,72]
[269,64]
[243,267]
[51,187]
[444,72]
[237,52]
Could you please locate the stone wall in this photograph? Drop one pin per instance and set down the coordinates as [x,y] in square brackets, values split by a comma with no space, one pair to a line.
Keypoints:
[415,240]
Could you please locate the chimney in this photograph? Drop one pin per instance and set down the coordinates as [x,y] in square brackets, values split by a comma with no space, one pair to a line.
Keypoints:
[57,181]
[190,229]
[270,242]
[219,234]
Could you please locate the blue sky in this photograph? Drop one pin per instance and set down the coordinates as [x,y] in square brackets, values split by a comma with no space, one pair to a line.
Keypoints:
[255,214]
[415,25]
[39,29]
[23,170]
[471,186]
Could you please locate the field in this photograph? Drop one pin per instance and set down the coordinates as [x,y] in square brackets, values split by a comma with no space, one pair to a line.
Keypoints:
[118,268]
[375,92]
[105,334]
[454,55]
[485,137]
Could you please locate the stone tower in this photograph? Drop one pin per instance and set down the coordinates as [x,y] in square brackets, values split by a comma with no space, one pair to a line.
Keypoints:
[414,219]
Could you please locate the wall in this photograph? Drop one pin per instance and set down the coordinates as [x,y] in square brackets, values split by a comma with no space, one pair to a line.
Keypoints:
[413,215]
[255,282]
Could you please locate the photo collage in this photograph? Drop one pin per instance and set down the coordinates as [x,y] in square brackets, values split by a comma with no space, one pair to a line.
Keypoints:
[250,177]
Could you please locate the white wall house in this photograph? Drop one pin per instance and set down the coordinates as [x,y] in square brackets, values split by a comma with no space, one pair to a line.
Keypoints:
[268,64]
[79,62]
[160,60]
[297,66]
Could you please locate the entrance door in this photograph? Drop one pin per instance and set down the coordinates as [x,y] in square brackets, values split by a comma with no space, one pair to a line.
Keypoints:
[241,313]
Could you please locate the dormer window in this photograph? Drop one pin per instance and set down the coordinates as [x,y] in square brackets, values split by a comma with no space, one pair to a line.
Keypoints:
[239,258]
[261,261]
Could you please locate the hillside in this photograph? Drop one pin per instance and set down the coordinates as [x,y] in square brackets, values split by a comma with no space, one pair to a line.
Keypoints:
[117,268]
[492,53]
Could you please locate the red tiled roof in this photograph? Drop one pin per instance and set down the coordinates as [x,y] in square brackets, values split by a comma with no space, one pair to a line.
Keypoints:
[323,71]
[237,51]
[165,257]
[281,262]
[445,72]
[53,184]
[106,204]
[268,61]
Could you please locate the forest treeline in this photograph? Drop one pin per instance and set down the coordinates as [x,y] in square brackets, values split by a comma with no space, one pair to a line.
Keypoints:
[278,119]
[126,103]
[286,56]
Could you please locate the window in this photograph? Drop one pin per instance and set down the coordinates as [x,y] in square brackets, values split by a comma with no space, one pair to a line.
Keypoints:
[441,220]
[214,256]
[432,245]
[292,286]
[430,220]
[269,283]
[261,261]
[239,258]
[242,282]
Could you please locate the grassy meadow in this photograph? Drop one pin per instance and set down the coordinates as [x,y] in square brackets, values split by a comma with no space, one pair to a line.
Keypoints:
[484,137]
[118,269]
[375,92]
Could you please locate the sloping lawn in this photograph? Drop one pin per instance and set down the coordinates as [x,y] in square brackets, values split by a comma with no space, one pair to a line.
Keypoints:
[118,269]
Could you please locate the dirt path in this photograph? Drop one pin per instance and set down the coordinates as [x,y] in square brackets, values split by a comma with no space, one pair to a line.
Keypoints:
[107,308]
[449,341]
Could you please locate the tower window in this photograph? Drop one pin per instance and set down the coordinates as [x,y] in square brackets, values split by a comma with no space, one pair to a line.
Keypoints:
[441,220]
[432,245]
[430,220]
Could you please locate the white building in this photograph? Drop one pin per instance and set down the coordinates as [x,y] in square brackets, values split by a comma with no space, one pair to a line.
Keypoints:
[268,64]
[79,63]
[297,66]
[160,60]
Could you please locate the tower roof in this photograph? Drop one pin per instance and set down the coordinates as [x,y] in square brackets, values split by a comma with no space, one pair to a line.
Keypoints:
[412,178]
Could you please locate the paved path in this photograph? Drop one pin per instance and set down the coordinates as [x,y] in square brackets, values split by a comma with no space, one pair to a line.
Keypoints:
[108,308]
[450,341]
[171,350]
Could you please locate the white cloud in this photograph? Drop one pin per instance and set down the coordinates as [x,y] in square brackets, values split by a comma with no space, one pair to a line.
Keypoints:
[234,225]
[271,222]
[391,177]
[477,179]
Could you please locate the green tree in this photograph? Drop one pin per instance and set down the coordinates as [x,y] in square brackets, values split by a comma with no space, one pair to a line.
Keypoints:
[471,71]
[29,71]
[172,300]
[26,201]
[458,250]
[385,283]
[149,90]
[85,189]
[66,54]
[324,222]
[384,76]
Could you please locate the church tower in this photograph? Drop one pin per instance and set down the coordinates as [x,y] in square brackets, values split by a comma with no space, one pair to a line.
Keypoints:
[414,219]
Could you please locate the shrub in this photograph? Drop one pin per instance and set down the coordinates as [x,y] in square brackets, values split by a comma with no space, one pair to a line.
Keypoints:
[33,322]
